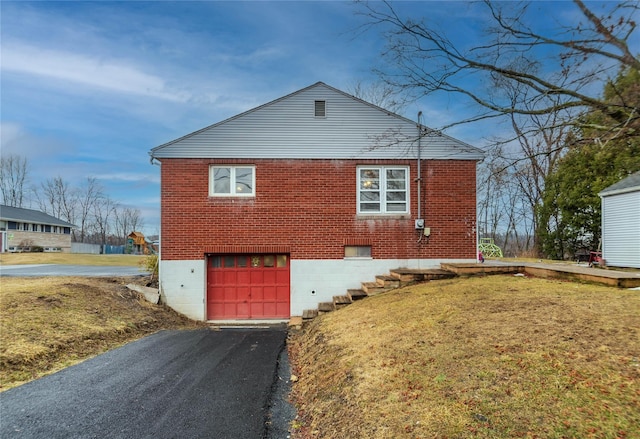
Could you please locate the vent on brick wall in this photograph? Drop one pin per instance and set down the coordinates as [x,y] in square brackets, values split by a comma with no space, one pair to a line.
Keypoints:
[321,108]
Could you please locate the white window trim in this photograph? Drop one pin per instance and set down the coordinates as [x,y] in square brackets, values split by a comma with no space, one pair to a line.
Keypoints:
[232,182]
[383,188]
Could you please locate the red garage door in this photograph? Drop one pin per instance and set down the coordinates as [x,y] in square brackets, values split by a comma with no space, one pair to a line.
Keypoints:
[247,287]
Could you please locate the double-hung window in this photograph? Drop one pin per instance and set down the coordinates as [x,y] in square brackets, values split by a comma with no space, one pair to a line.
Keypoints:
[383,189]
[232,181]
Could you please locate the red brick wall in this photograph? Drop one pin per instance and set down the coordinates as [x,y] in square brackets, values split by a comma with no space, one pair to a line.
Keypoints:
[308,208]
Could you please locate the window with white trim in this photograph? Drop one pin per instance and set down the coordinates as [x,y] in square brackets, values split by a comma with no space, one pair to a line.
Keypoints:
[232,181]
[383,189]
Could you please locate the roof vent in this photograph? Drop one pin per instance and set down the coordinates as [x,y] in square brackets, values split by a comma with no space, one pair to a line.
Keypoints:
[321,108]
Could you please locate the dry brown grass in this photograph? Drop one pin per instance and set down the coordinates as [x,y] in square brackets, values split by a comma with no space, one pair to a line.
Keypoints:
[493,357]
[70,259]
[50,323]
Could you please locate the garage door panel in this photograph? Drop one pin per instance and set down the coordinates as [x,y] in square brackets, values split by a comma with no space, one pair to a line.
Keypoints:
[269,276]
[229,309]
[282,294]
[257,309]
[230,294]
[269,293]
[216,277]
[257,293]
[270,309]
[243,293]
[257,276]
[216,308]
[282,277]
[243,310]
[242,277]
[282,308]
[248,286]
[230,277]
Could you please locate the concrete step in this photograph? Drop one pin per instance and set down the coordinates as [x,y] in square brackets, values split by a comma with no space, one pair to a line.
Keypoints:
[356,294]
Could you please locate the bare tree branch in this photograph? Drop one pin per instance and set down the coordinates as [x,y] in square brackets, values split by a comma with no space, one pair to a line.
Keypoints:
[424,60]
[13,176]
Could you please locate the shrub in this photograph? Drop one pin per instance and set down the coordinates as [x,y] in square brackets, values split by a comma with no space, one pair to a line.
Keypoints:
[150,263]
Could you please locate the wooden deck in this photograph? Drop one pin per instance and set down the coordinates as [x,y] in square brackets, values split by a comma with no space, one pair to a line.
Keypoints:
[621,279]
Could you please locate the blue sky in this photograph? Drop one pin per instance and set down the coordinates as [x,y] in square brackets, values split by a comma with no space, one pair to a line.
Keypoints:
[88,88]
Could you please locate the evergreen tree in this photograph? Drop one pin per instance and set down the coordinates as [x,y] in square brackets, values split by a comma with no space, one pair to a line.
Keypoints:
[570,213]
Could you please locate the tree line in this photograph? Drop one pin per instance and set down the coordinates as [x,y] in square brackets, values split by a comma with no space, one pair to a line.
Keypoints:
[567,95]
[98,218]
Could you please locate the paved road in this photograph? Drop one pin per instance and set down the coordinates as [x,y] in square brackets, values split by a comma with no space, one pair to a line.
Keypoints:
[67,270]
[173,384]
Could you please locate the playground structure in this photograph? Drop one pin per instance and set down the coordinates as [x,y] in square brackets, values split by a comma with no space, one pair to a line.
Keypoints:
[137,244]
[489,249]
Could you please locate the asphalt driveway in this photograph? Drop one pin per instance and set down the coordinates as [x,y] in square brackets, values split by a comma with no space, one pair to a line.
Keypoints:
[67,270]
[173,384]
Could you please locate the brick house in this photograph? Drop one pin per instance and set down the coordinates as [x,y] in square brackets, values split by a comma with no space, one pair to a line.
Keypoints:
[277,209]
[26,229]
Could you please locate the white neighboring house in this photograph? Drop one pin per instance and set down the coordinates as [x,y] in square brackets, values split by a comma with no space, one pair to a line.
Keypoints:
[621,222]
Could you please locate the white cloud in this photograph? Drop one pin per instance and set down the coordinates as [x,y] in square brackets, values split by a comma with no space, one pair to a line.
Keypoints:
[129,177]
[87,70]
[9,133]
[15,139]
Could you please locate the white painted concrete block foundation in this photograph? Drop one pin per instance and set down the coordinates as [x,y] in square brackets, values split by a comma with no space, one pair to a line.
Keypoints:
[183,284]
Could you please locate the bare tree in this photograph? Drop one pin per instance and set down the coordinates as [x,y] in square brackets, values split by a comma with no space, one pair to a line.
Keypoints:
[424,59]
[526,158]
[58,198]
[128,220]
[103,211]
[87,198]
[13,176]
[379,93]
[538,79]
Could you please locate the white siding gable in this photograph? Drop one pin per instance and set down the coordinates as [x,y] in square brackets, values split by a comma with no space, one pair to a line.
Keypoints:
[288,128]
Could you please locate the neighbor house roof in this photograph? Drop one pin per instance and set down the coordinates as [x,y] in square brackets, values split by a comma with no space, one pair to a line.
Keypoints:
[629,184]
[18,214]
[288,128]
